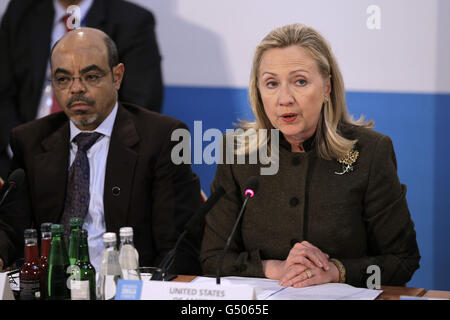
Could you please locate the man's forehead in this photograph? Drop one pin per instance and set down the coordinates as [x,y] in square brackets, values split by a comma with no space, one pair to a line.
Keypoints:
[81,35]
[81,43]
[79,57]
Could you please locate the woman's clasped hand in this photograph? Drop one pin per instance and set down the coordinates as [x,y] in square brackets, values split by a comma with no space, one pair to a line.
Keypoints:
[304,266]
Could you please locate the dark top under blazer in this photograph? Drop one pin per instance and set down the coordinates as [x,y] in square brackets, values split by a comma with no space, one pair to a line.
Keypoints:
[360,217]
[156,196]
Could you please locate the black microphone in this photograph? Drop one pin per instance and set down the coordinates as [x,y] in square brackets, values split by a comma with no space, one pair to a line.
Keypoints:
[196,219]
[249,191]
[15,179]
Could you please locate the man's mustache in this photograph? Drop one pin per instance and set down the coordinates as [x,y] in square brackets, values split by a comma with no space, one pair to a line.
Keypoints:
[79,98]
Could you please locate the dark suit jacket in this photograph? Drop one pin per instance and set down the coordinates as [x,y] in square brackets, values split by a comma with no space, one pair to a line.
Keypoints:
[156,197]
[25,36]
[360,218]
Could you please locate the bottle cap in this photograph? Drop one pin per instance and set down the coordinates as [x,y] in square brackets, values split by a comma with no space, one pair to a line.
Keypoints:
[76,222]
[126,231]
[30,233]
[57,229]
[109,237]
[46,227]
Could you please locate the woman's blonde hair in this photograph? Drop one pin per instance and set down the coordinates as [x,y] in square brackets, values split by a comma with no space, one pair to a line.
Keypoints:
[330,144]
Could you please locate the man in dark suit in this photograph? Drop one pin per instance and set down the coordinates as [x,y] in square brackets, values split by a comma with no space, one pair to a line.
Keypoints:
[130,179]
[28,30]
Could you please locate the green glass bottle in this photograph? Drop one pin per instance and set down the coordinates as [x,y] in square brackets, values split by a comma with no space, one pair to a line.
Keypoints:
[58,263]
[75,227]
[82,285]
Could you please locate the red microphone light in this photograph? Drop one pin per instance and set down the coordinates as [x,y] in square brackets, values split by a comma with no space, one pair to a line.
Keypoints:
[250,192]
[251,186]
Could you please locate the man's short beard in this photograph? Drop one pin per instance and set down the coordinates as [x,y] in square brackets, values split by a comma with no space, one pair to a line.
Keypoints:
[84,122]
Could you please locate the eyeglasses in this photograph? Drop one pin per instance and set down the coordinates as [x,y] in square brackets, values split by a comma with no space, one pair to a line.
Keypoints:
[91,79]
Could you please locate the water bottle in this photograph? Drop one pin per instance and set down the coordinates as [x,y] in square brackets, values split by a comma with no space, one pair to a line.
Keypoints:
[110,271]
[128,257]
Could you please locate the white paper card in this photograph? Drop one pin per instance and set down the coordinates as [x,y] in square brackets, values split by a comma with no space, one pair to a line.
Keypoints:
[162,290]
[266,289]
[5,289]
[79,290]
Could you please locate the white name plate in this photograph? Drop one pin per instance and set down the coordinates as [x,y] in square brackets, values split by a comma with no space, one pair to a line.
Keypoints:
[165,290]
[5,289]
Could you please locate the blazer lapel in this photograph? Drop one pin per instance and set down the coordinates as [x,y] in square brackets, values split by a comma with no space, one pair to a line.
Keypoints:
[120,168]
[51,169]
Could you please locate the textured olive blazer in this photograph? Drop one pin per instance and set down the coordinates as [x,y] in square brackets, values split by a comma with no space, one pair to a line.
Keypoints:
[360,218]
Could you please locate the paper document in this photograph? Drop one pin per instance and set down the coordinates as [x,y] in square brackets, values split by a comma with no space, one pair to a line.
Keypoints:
[267,289]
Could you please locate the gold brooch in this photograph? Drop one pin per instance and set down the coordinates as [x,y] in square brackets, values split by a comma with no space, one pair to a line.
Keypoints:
[348,160]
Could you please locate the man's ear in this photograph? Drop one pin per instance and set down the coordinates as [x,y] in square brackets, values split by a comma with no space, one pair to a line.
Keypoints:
[117,73]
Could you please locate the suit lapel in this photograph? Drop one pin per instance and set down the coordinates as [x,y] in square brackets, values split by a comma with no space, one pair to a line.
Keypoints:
[120,168]
[50,169]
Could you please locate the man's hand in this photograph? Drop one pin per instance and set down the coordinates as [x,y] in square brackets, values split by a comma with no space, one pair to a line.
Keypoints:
[1,264]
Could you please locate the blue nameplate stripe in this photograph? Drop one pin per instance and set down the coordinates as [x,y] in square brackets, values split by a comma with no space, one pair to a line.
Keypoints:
[128,290]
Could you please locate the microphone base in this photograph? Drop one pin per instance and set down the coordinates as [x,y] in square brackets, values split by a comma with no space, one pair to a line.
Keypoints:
[157,276]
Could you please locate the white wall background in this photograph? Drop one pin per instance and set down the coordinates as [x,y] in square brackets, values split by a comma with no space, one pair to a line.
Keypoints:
[211,42]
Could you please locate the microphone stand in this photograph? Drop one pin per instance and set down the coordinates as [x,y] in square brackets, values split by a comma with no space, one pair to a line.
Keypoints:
[219,265]
[168,260]
[15,179]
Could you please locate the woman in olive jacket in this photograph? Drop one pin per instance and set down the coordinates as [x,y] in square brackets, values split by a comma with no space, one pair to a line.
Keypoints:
[335,210]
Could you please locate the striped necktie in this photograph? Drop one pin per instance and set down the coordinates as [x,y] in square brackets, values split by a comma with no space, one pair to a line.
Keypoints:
[77,193]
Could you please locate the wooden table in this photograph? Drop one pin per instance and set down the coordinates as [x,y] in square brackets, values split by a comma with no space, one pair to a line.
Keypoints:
[437,294]
[389,292]
[394,293]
